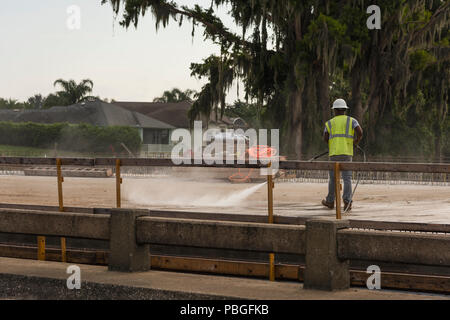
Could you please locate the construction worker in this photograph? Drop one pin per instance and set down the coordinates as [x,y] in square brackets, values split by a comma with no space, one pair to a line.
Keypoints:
[341,133]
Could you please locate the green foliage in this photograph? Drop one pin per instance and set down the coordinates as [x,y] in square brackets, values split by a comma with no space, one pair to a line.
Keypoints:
[77,138]
[246,111]
[73,92]
[54,100]
[12,104]
[421,59]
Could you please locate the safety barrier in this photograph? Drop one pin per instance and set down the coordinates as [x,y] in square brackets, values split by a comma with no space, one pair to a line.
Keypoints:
[429,249]
[73,225]
[327,244]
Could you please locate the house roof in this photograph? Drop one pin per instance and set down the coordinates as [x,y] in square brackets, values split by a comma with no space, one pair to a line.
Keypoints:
[175,114]
[97,113]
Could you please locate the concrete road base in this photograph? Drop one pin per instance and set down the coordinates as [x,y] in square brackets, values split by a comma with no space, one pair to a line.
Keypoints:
[31,279]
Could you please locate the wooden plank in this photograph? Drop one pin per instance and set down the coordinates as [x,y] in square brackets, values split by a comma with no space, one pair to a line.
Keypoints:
[236,268]
[404,281]
[54,254]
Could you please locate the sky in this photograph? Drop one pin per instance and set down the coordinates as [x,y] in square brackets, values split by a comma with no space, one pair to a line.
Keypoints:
[37,47]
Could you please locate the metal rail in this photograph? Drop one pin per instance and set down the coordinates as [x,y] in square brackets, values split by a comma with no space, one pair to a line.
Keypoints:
[288,165]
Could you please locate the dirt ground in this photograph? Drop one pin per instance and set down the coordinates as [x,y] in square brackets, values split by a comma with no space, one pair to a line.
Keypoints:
[407,203]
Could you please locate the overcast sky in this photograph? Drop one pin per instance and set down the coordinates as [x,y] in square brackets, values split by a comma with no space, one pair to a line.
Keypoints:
[37,47]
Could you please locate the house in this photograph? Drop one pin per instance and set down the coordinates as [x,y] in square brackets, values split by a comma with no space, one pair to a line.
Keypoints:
[176,114]
[154,133]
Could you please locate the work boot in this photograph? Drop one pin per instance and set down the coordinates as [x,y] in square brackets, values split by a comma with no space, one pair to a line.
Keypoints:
[347,204]
[329,205]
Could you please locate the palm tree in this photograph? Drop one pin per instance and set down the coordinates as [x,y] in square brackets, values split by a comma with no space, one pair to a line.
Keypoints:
[73,92]
[36,101]
[176,95]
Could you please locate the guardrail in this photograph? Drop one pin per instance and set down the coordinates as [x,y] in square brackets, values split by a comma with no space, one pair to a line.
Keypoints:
[236,217]
[327,245]
[74,225]
[428,249]
[294,165]
[256,237]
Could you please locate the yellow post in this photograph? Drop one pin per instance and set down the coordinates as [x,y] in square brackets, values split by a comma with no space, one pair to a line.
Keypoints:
[272,267]
[118,183]
[337,189]
[61,206]
[41,248]
[270,186]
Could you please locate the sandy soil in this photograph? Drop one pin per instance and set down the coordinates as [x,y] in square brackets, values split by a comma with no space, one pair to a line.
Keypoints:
[407,203]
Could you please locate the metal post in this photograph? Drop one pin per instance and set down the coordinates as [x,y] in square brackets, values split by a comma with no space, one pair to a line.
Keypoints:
[270,187]
[61,206]
[60,181]
[337,189]
[118,183]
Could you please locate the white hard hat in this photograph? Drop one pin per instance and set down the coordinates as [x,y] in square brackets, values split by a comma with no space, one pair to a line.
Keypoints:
[340,104]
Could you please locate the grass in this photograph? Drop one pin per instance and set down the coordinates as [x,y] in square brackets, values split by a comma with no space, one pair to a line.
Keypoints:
[20,151]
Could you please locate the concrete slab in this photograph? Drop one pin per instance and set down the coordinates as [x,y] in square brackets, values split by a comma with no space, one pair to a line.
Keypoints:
[378,202]
[31,279]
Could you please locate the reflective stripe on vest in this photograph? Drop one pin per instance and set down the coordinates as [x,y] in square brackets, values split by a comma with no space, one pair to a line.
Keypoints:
[341,135]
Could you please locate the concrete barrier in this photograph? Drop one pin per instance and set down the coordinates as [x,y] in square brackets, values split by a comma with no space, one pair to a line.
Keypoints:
[222,235]
[426,249]
[327,244]
[75,225]
[324,269]
[126,254]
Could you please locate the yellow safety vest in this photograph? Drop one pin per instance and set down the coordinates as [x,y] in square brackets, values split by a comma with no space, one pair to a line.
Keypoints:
[342,135]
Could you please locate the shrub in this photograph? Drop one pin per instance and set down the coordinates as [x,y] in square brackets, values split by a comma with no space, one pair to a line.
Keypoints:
[69,137]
